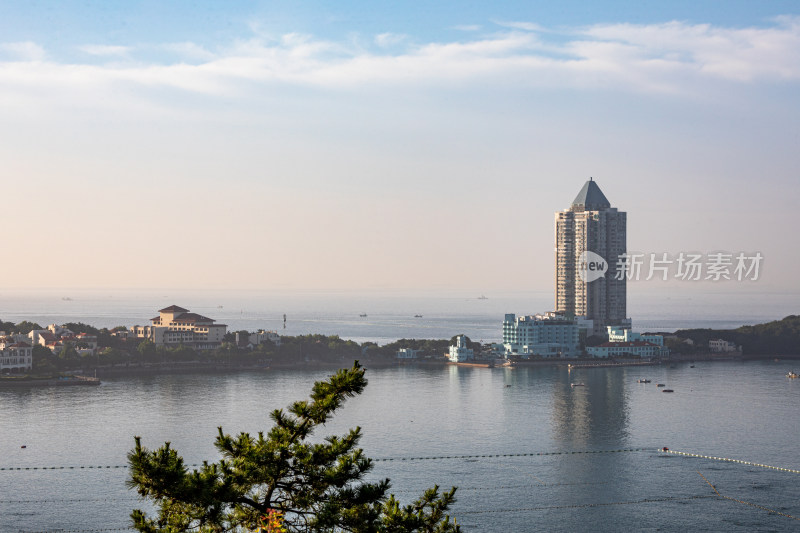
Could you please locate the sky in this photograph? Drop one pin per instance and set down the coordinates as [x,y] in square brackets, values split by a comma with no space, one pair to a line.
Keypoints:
[388,145]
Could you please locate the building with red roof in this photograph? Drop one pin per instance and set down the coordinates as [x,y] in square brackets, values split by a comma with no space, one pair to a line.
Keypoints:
[176,326]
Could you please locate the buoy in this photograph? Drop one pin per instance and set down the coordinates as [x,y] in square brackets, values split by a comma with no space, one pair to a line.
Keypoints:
[664,449]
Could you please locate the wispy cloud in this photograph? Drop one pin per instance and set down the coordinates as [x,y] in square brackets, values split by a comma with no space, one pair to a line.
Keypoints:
[190,51]
[467,27]
[526,26]
[105,50]
[385,40]
[666,58]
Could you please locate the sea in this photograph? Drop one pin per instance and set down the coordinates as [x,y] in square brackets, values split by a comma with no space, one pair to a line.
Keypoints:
[527,450]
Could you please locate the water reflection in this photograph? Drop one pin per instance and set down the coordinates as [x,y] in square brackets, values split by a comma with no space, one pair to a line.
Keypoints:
[592,416]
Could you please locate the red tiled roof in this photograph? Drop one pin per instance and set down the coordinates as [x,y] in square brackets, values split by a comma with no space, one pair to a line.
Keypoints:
[173,309]
[20,345]
[193,317]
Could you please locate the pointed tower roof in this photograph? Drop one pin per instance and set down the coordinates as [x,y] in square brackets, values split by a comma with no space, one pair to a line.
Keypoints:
[591,197]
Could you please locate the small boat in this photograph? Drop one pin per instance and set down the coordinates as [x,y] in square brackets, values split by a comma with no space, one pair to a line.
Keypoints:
[643,381]
[667,390]
[417,316]
[363,315]
[660,385]
[577,385]
[482,297]
[691,366]
[792,375]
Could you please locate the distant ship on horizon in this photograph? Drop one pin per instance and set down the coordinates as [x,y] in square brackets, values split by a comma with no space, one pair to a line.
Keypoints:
[482,297]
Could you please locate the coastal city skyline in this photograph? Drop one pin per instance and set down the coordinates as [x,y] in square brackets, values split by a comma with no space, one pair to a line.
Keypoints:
[268,147]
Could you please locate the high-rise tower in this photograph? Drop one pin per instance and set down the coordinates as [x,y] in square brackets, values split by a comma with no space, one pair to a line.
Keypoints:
[591,225]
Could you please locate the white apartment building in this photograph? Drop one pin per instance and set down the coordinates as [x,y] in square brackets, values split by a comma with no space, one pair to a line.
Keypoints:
[15,356]
[548,335]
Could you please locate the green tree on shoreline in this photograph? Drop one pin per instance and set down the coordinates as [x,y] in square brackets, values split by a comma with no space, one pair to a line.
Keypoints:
[311,486]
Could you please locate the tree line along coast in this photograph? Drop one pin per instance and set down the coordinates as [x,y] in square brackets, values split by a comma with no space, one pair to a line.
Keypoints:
[112,352]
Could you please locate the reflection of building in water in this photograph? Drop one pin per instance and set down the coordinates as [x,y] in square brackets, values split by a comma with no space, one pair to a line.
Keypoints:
[594,416]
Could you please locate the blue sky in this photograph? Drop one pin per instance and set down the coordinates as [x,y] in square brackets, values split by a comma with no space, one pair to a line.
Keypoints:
[388,145]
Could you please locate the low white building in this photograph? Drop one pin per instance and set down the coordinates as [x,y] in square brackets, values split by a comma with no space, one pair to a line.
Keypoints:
[261,336]
[723,346]
[623,342]
[460,353]
[621,334]
[407,353]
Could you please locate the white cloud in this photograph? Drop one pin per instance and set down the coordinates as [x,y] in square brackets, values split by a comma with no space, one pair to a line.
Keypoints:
[189,51]
[385,40]
[673,57]
[105,50]
[24,51]
[740,54]
[525,26]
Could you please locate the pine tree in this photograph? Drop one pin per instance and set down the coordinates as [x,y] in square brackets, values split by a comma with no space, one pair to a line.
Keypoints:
[281,481]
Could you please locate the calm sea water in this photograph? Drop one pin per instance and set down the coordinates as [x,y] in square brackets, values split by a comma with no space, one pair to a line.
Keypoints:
[743,411]
[738,410]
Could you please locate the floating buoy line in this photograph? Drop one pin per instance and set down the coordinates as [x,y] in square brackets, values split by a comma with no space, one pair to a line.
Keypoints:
[728,460]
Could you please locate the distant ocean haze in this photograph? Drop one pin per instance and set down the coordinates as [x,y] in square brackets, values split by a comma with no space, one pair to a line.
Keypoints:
[390,315]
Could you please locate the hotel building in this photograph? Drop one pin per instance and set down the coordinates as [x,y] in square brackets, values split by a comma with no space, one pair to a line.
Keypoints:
[590,225]
[175,326]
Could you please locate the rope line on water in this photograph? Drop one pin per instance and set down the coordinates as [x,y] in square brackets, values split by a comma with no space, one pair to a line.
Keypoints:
[747,503]
[492,456]
[583,505]
[382,459]
[727,460]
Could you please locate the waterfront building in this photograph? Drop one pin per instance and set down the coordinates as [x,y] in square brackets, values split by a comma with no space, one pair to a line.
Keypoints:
[548,335]
[175,326]
[407,353]
[460,353]
[15,356]
[723,346]
[622,341]
[590,224]
[626,334]
[259,337]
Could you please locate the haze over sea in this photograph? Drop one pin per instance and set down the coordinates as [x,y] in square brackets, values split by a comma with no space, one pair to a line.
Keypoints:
[391,313]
